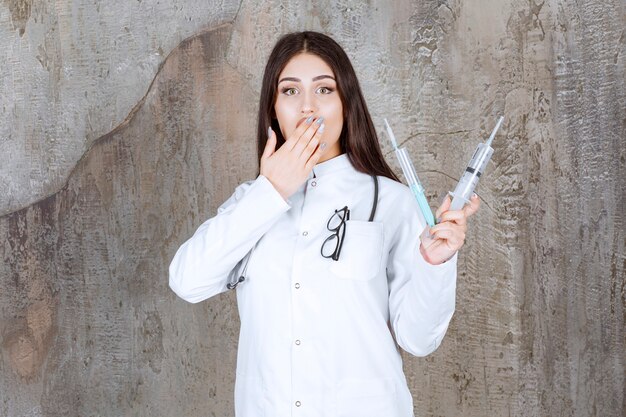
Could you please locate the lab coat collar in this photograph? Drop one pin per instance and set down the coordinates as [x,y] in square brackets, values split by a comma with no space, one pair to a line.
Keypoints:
[338,163]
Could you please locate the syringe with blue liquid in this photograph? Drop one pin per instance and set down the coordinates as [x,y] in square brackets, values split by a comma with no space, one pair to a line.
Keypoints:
[411,177]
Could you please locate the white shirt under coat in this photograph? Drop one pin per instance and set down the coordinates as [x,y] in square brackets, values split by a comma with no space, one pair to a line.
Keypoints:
[316,335]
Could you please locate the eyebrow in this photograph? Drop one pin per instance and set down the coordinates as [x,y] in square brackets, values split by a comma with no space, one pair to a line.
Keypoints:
[297,80]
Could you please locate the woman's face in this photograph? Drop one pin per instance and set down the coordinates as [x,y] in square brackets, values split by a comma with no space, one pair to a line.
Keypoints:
[307,87]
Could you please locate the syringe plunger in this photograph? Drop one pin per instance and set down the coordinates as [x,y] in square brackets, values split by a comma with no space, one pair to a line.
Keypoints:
[408,169]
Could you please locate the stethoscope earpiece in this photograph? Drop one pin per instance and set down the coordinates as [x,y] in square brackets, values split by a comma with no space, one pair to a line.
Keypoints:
[232,285]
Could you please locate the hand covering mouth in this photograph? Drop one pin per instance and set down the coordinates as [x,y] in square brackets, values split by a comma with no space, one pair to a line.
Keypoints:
[300,122]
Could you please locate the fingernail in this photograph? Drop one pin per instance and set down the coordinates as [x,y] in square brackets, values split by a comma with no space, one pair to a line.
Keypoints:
[323,145]
[474,195]
[321,128]
[309,120]
[269,132]
[320,121]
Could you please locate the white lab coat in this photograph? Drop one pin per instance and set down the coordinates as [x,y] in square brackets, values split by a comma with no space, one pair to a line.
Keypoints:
[316,334]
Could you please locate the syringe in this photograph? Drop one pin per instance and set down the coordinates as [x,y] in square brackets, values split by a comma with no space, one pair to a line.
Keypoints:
[469,180]
[411,178]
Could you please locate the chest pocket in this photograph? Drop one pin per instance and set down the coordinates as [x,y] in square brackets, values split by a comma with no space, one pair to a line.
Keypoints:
[361,252]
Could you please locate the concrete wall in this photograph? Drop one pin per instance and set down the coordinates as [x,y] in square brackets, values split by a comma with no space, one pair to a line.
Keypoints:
[127,123]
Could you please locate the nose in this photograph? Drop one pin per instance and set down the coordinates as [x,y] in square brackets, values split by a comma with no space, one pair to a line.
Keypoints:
[308,104]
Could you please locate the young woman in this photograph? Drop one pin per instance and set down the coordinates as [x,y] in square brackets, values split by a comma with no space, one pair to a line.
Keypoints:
[324,251]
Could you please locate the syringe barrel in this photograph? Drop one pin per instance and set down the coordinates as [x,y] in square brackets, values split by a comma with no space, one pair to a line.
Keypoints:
[464,189]
[408,169]
[481,157]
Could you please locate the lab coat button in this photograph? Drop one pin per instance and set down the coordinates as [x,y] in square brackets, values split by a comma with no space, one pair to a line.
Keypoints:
[298,342]
[297,285]
[314,183]
[298,403]
[305,233]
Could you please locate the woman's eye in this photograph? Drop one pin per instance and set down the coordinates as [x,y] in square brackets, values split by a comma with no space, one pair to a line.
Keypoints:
[289,91]
[325,90]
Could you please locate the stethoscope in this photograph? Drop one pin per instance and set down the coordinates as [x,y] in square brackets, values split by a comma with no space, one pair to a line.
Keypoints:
[242,278]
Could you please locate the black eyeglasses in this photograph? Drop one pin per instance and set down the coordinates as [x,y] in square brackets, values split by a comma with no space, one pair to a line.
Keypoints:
[337,225]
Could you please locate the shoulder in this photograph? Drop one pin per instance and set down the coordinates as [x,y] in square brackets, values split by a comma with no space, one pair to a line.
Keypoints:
[394,191]
[392,185]
[398,203]
[389,190]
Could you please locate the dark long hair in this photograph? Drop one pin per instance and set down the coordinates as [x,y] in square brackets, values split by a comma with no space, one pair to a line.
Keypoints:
[358,137]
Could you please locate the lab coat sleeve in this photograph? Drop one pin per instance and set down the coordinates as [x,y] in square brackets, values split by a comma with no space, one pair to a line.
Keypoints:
[201,266]
[421,295]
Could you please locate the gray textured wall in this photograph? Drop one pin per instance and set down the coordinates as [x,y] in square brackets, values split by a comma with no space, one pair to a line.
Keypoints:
[125,125]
